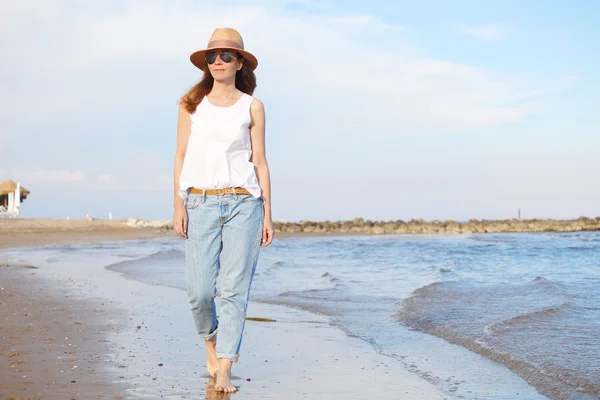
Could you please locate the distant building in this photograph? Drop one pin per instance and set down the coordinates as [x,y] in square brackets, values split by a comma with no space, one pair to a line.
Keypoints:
[11,196]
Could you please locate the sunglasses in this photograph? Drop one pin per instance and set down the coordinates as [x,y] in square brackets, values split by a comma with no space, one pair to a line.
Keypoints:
[226,57]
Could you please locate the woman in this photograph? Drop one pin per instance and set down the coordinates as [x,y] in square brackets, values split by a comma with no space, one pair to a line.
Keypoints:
[222,194]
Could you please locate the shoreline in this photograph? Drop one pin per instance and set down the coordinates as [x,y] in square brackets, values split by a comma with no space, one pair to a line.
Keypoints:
[33,232]
[149,346]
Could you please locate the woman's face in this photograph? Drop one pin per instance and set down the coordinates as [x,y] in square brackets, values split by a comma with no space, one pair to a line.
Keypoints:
[223,63]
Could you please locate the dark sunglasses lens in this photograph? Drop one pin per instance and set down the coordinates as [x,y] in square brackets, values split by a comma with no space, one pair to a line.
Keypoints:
[226,57]
[211,58]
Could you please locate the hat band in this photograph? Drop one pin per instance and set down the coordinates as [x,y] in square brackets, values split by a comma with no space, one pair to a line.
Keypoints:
[225,43]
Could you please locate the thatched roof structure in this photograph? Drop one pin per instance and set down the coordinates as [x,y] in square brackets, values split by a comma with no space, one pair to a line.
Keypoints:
[9,186]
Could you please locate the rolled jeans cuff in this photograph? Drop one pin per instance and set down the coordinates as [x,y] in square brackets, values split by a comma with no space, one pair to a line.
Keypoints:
[211,335]
[232,357]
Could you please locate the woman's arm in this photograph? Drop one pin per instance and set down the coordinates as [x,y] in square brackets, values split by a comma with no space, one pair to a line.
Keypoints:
[259,159]
[183,134]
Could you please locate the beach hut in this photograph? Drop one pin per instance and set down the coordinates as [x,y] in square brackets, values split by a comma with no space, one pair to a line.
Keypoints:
[11,195]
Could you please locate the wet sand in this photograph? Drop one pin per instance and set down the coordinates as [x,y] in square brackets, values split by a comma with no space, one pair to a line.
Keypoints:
[70,332]
[51,347]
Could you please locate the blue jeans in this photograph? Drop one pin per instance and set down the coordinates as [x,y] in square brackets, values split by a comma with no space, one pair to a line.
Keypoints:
[224,234]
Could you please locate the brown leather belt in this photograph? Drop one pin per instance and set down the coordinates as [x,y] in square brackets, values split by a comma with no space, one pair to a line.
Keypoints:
[238,190]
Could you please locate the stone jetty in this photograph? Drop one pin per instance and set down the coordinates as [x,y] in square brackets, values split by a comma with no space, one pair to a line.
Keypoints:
[414,226]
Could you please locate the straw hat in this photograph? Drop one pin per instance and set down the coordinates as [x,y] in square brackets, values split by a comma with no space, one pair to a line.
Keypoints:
[223,38]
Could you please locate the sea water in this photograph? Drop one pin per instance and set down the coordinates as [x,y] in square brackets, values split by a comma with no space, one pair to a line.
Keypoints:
[528,302]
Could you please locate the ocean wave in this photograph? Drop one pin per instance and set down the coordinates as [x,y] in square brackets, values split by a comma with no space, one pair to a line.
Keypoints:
[67,248]
[274,265]
[579,236]
[318,301]
[580,248]
[329,277]
[533,328]
[163,267]
[540,285]
[162,255]
[269,268]
[522,321]
[131,256]
[334,293]
[494,238]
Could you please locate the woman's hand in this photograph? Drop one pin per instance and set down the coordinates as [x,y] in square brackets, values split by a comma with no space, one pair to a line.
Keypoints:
[267,233]
[180,220]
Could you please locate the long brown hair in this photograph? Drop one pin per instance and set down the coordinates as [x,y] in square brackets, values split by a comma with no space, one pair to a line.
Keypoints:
[245,80]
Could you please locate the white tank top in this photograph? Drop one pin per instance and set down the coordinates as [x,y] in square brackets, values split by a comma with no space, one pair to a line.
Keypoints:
[218,151]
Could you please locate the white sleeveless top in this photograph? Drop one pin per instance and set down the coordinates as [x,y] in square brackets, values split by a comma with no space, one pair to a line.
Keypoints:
[218,151]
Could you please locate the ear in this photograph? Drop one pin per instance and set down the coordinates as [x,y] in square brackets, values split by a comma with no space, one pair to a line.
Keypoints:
[241,64]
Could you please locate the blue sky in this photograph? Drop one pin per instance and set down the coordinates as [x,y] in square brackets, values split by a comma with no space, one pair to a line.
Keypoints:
[383,110]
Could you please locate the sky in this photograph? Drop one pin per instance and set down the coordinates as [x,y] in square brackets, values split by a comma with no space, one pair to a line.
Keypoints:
[435,109]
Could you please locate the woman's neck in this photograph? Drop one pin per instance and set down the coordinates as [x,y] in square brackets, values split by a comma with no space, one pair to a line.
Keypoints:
[223,89]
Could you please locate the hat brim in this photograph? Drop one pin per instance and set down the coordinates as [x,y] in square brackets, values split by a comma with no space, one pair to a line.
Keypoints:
[198,58]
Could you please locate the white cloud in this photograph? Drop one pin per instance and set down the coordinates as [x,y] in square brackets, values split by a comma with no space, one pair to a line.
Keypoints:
[556,86]
[47,176]
[343,66]
[486,32]
[4,135]
[132,168]
[105,178]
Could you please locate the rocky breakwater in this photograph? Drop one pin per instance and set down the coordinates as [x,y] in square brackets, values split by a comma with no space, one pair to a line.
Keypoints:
[360,226]
[159,224]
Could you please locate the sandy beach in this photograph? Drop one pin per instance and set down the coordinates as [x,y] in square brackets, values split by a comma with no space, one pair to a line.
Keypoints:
[20,232]
[72,329]
[50,345]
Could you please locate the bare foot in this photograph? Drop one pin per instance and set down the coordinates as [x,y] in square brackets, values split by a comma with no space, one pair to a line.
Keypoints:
[212,394]
[212,364]
[224,377]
